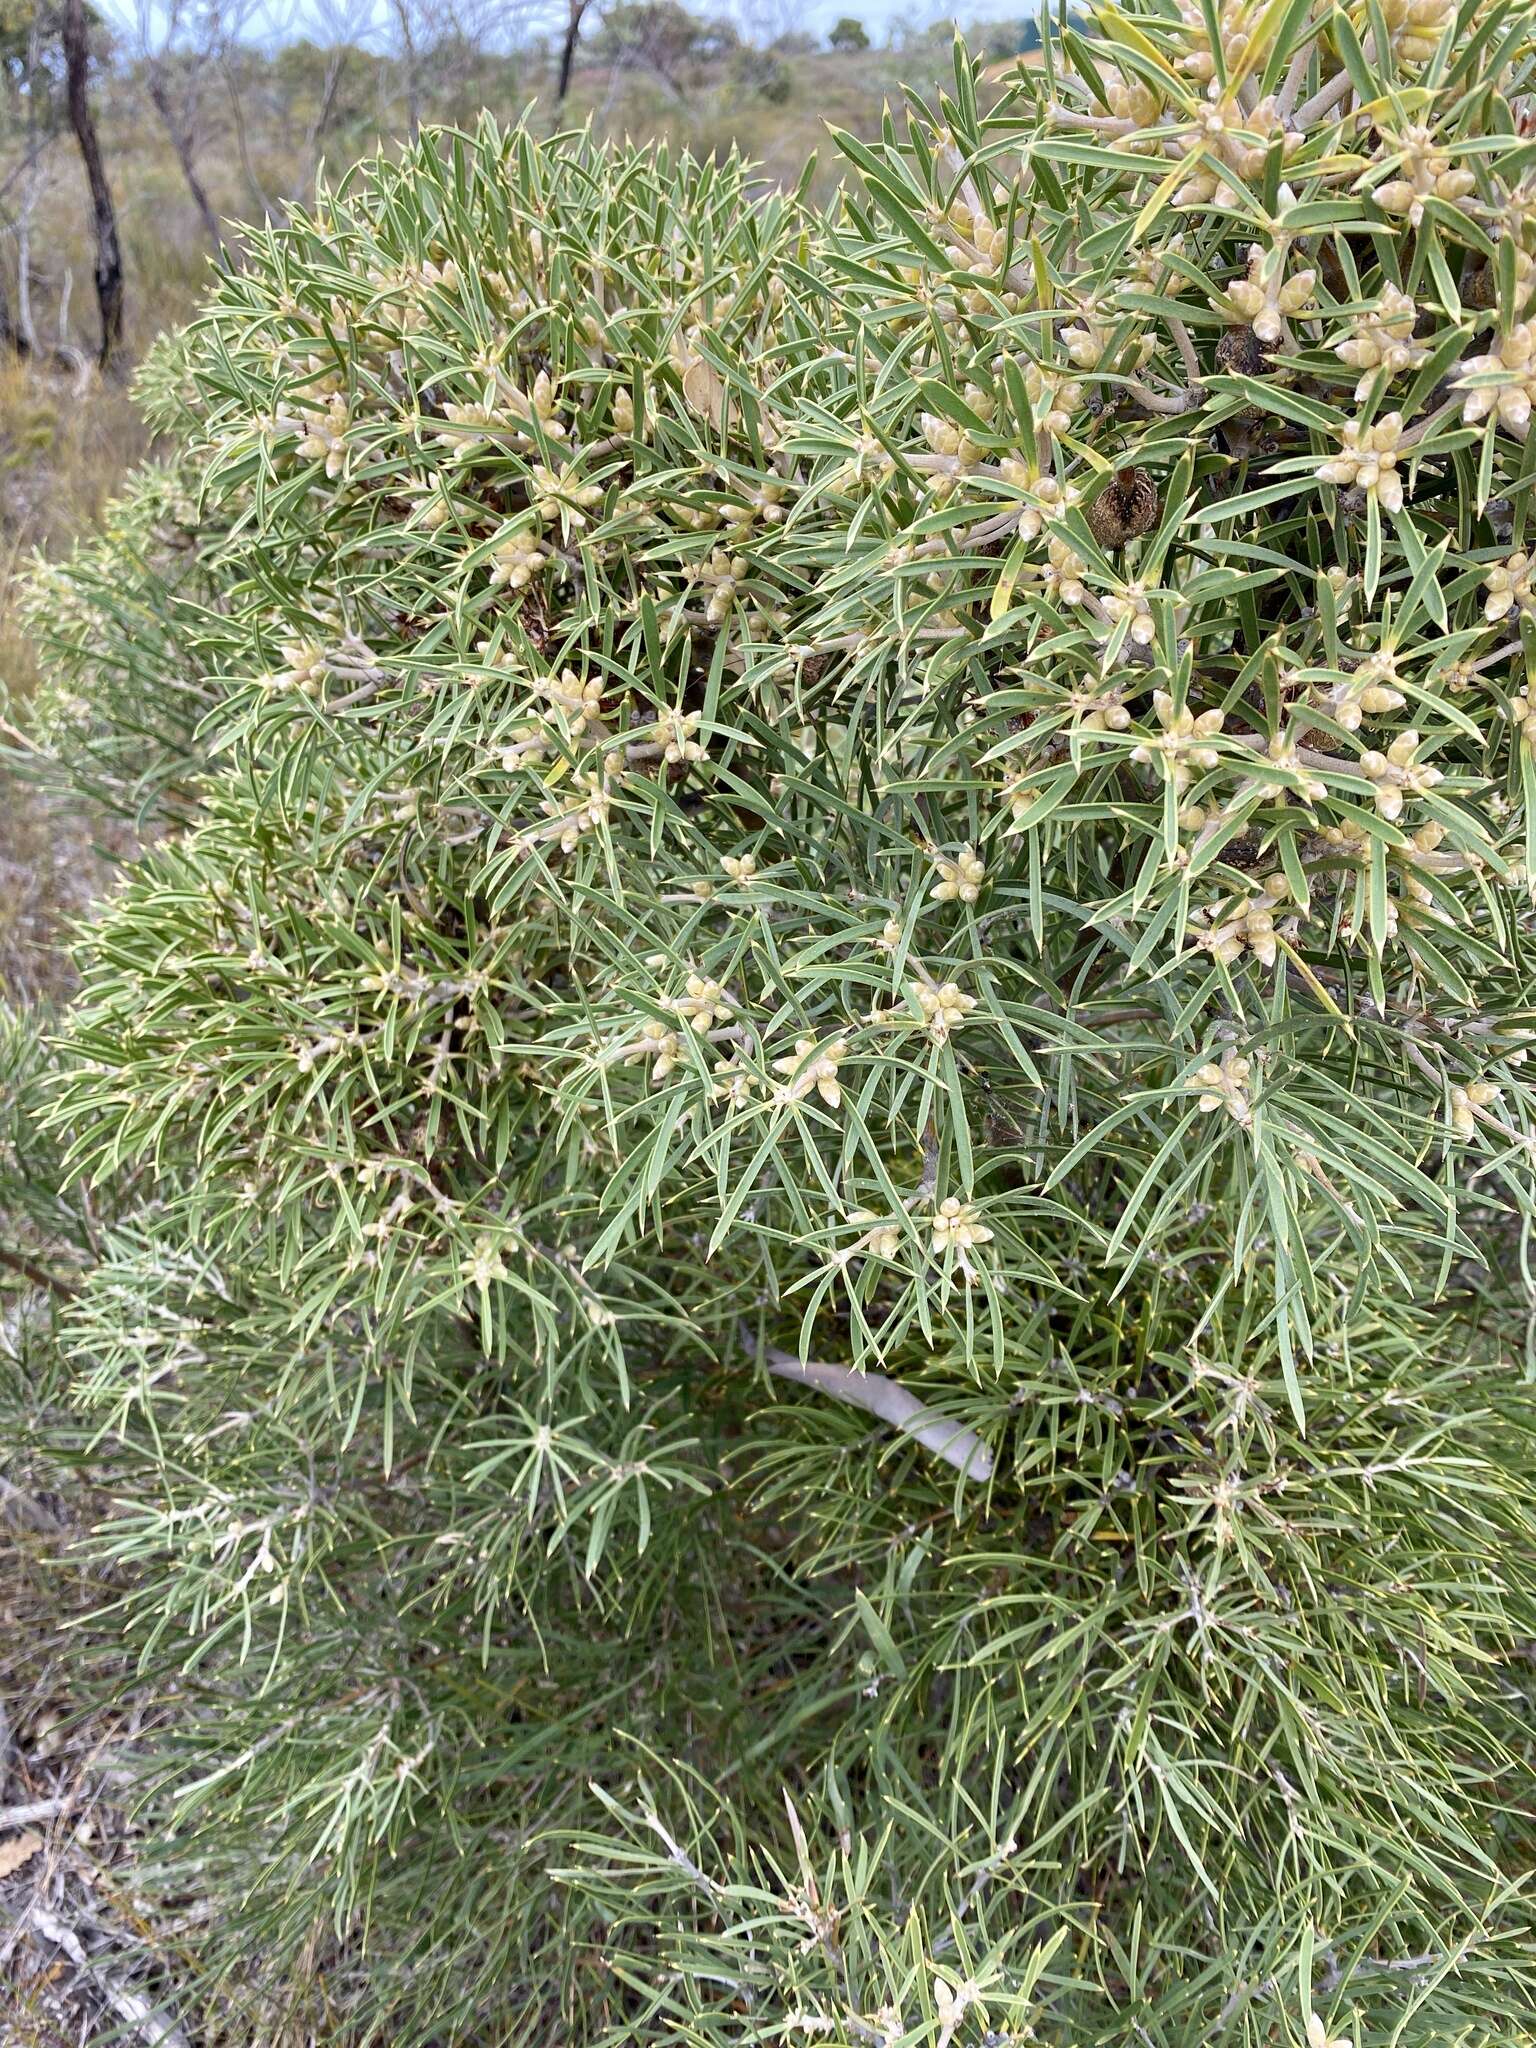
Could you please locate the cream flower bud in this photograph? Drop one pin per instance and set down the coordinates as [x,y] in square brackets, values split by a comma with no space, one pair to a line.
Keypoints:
[811,1070]
[1224,1085]
[943,1006]
[1508,584]
[703,1003]
[1368,461]
[960,879]
[1503,381]
[1465,1104]
[883,1241]
[957,1226]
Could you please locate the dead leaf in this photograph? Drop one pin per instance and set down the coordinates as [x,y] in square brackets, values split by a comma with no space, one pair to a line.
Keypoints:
[704,391]
[18,1850]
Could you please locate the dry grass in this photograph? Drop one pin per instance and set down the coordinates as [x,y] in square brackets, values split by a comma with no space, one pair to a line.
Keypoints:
[78,1962]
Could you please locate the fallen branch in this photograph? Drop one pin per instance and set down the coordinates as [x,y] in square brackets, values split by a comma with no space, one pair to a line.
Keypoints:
[151,2026]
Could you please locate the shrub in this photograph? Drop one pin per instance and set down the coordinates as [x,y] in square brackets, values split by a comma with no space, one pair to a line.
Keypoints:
[762,75]
[830,1339]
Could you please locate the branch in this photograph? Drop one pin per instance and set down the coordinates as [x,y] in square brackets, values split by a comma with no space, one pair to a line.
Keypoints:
[877,1395]
[29,1269]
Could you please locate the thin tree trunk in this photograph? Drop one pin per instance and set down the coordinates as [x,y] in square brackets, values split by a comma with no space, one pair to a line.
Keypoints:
[243,145]
[333,71]
[26,332]
[12,341]
[568,52]
[109,254]
[412,82]
[181,142]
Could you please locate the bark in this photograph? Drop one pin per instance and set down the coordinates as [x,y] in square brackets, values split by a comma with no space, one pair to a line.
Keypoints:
[109,255]
[181,142]
[568,49]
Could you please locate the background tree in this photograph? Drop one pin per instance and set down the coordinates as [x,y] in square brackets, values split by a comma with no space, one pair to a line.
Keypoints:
[848,34]
[75,39]
[575,11]
[661,37]
[177,46]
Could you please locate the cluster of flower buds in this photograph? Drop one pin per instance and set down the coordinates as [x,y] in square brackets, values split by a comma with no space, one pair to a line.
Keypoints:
[721,575]
[1266,297]
[1225,1085]
[1369,692]
[1181,747]
[1467,1102]
[1380,343]
[1398,774]
[943,1005]
[676,734]
[1245,923]
[556,495]
[305,670]
[957,1226]
[702,1005]
[324,436]
[1061,573]
[577,699]
[658,1047]
[883,1240]
[1368,461]
[1047,497]
[518,559]
[953,443]
[1502,382]
[1055,397]
[583,810]
[1224,131]
[1130,602]
[1415,26]
[812,1069]
[960,879]
[1425,172]
[1508,584]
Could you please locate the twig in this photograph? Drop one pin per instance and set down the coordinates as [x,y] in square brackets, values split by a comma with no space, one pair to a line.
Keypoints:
[1186,348]
[1342,1973]
[1295,78]
[927,1187]
[1324,100]
[878,1395]
[36,1809]
[1169,403]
